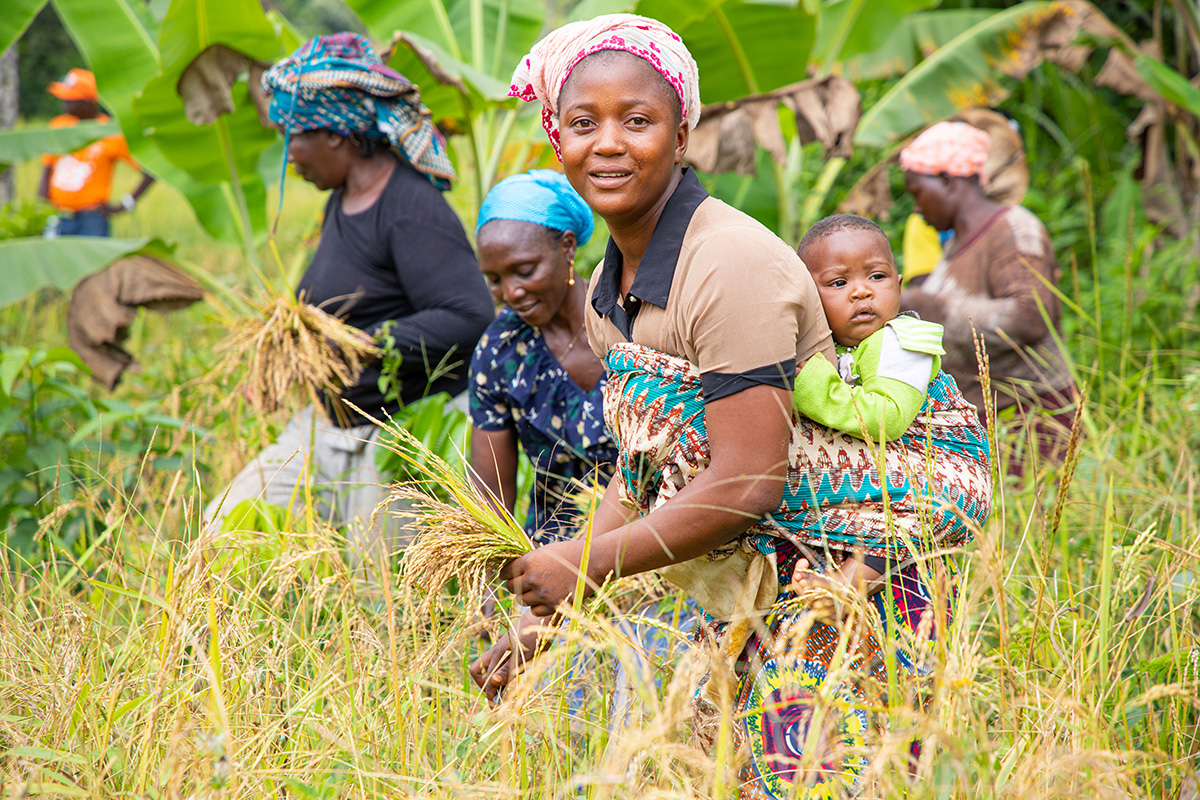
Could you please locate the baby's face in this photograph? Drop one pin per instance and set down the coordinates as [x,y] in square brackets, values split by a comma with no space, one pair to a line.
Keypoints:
[856,277]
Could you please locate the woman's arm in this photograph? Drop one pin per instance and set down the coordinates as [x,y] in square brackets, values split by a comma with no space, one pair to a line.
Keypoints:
[748,435]
[1019,280]
[44,182]
[494,465]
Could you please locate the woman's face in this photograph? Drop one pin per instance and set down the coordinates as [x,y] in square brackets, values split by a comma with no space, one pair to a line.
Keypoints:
[621,139]
[318,157]
[932,194]
[526,267]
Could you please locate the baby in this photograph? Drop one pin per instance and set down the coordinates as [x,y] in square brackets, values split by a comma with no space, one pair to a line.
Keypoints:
[885,361]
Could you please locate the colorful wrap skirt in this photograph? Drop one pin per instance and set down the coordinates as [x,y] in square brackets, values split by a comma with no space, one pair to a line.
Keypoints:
[908,502]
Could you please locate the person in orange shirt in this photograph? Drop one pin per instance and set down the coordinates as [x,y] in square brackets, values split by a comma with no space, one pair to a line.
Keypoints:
[80,184]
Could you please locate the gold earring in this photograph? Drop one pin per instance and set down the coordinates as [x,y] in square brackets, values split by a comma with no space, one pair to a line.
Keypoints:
[571,266]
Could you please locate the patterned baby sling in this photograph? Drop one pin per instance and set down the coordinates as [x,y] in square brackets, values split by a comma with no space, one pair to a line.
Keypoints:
[938,479]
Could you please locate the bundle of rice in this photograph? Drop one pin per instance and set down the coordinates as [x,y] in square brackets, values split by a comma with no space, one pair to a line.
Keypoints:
[294,344]
[466,539]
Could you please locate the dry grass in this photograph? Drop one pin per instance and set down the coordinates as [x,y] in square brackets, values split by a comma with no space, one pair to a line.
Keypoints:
[293,346]
[162,661]
[243,665]
[465,538]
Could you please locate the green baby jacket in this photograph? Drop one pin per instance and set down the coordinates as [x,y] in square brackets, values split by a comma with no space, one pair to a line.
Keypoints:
[878,387]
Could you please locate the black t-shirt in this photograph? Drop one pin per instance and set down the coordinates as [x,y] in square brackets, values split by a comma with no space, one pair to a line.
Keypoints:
[405,259]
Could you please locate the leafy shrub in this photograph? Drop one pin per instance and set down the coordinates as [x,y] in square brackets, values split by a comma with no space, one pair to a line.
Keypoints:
[58,465]
[23,219]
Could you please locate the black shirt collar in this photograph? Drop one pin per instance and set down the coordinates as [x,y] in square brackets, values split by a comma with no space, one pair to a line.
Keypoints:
[652,284]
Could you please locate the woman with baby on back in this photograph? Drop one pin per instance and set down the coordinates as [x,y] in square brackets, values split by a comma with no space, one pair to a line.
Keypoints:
[703,318]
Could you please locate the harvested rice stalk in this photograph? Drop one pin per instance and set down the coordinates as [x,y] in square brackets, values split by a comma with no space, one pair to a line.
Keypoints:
[468,538]
[294,344]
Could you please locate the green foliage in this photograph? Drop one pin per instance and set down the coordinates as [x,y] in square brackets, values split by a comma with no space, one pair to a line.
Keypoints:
[31,262]
[317,17]
[462,53]
[17,16]
[911,39]
[224,153]
[27,143]
[118,38]
[740,48]
[19,220]
[961,74]
[441,428]
[861,28]
[476,41]
[1170,84]
[56,459]
[1141,296]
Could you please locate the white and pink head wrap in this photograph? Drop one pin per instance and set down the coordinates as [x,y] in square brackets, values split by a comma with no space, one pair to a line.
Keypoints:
[953,148]
[542,73]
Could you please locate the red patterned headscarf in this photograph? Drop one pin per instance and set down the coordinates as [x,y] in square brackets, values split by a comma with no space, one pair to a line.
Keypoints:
[542,73]
[952,148]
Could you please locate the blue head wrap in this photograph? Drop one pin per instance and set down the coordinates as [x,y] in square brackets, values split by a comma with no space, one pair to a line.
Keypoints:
[337,82]
[540,196]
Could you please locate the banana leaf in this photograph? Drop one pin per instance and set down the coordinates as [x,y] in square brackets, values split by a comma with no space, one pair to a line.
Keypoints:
[117,38]
[964,73]
[490,35]
[227,149]
[855,27]
[460,53]
[30,143]
[741,47]
[17,16]
[908,41]
[449,87]
[1173,87]
[32,263]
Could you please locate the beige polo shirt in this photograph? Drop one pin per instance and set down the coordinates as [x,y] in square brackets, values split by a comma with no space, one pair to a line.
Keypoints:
[718,289]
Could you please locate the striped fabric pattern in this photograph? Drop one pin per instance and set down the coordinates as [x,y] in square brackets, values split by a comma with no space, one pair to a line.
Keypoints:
[337,83]
[936,478]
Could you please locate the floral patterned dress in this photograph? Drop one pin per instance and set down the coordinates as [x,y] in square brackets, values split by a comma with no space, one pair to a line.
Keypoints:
[518,384]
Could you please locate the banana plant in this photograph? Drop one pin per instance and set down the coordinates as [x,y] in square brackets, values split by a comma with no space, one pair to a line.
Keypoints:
[32,263]
[462,54]
[121,42]
[963,73]
[753,47]
[32,142]
[17,16]
[199,105]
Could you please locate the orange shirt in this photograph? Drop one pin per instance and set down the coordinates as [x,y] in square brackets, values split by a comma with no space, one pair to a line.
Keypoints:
[83,179]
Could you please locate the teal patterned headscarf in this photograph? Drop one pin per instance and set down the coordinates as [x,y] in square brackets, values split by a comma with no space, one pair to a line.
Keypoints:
[540,196]
[337,83]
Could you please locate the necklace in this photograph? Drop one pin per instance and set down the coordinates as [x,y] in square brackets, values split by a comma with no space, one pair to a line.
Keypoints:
[560,356]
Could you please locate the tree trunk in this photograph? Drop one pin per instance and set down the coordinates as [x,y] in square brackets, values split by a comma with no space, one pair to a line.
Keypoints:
[9,85]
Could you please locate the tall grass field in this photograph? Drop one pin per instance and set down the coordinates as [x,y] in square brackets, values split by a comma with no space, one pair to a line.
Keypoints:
[143,656]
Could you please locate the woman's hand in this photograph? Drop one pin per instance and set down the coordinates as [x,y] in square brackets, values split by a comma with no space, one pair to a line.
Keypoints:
[493,670]
[546,577]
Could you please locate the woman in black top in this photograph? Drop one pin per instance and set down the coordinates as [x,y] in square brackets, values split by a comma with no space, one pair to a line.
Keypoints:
[393,261]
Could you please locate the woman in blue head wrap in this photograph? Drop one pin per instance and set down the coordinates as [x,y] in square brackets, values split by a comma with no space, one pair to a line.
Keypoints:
[393,261]
[535,383]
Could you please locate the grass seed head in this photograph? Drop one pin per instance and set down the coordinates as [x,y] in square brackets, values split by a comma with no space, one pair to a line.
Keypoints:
[294,345]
